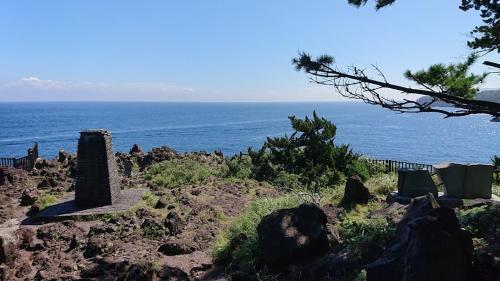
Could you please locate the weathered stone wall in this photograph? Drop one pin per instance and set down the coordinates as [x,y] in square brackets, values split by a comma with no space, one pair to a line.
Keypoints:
[97,181]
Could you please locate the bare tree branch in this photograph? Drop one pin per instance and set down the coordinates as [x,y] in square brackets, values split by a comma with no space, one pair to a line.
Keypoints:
[355,84]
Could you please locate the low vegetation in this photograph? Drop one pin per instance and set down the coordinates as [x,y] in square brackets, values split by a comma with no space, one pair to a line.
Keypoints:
[382,183]
[238,244]
[45,200]
[495,160]
[358,229]
[178,172]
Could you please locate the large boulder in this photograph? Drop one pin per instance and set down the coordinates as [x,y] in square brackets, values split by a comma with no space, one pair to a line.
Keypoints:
[355,191]
[290,236]
[429,245]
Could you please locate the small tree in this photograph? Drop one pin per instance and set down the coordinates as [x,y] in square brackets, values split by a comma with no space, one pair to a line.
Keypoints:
[309,153]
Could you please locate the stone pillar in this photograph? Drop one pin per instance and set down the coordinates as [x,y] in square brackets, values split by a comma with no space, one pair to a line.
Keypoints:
[97,181]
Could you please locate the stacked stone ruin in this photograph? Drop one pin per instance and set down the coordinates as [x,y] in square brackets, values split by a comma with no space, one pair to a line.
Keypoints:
[97,180]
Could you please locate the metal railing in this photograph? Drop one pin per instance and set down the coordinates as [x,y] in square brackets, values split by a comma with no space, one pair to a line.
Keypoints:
[392,166]
[26,163]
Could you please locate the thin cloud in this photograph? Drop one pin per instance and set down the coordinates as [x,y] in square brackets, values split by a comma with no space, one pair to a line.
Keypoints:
[36,89]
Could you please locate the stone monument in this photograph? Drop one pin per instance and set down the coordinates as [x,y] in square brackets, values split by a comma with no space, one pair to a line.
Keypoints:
[97,181]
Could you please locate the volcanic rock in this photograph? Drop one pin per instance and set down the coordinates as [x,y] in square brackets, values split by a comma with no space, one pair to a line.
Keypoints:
[63,156]
[355,191]
[429,245]
[176,247]
[293,235]
[173,222]
[29,196]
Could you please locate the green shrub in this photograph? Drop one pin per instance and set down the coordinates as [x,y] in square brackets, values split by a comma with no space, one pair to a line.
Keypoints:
[287,181]
[382,184]
[150,199]
[495,160]
[46,200]
[310,153]
[479,221]
[361,276]
[238,244]
[153,231]
[358,228]
[180,172]
[358,167]
[239,167]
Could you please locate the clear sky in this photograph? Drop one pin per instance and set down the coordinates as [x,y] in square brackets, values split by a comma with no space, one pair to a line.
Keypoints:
[231,50]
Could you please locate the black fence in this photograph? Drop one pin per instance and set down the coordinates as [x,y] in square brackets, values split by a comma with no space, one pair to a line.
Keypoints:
[392,166]
[26,163]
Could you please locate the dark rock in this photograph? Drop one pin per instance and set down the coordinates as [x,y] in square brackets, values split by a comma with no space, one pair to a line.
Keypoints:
[24,269]
[138,273]
[101,229]
[8,251]
[175,247]
[161,203]
[174,223]
[334,266]
[47,182]
[429,245]
[172,274]
[143,213]
[355,191]
[2,176]
[135,149]
[41,275]
[35,208]
[219,153]
[92,249]
[293,235]
[158,155]
[486,267]
[40,164]
[150,223]
[63,156]
[127,168]
[370,251]
[3,254]
[332,213]
[29,196]
[73,243]
[25,238]
[242,276]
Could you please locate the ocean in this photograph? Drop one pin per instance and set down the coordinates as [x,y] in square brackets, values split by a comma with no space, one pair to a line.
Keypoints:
[234,127]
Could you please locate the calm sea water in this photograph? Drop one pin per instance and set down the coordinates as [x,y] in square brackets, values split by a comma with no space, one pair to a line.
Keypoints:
[233,127]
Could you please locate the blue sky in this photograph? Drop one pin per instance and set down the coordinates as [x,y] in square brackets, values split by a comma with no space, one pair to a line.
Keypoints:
[214,50]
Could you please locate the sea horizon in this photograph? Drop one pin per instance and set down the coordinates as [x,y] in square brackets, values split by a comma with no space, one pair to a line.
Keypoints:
[233,127]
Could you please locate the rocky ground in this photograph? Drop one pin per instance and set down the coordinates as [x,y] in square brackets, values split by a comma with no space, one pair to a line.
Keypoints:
[170,234]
